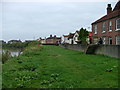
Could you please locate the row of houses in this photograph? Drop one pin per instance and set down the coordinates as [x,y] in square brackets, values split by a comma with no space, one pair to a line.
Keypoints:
[2,41]
[72,38]
[15,41]
[107,29]
[51,40]
[11,41]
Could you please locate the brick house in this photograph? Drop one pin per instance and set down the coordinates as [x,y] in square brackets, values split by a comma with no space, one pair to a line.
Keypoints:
[53,40]
[108,26]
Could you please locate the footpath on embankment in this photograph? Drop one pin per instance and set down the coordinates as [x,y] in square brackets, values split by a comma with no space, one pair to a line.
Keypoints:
[55,67]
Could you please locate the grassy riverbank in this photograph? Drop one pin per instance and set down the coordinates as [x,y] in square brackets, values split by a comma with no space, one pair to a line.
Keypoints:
[55,67]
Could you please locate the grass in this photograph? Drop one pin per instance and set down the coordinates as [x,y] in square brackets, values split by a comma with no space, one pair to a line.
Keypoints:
[55,67]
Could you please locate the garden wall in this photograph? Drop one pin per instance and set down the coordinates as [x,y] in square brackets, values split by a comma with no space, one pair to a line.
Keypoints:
[76,47]
[109,50]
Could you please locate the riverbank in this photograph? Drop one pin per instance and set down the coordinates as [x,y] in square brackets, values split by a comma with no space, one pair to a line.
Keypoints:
[56,67]
[8,53]
[10,50]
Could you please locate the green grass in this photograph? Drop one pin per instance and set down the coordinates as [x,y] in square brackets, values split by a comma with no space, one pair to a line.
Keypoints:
[39,67]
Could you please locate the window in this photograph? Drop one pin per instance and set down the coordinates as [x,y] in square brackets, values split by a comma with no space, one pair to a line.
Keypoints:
[117,40]
[104,40]
[118,24]
[104,27]
[110,26]
[110,40]
[95,29]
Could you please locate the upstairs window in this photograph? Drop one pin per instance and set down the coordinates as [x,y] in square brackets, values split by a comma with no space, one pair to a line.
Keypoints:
[118,24]
[95,29]
[103,27]
[110,26]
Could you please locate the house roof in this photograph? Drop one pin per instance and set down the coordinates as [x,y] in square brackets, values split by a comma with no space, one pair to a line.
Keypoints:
[54,37]
[65,35]
[77,31]
[117,7]
[71,35]
[113,14]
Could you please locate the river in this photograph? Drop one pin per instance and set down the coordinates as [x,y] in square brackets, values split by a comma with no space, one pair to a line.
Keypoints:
[14,51]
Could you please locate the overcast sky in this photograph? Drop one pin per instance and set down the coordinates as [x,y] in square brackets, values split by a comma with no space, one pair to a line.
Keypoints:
[31,20]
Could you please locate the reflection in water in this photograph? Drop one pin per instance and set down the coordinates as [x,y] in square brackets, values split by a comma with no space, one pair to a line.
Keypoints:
[13,52]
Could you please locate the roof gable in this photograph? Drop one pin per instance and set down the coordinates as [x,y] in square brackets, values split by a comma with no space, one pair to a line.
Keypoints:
[113,14]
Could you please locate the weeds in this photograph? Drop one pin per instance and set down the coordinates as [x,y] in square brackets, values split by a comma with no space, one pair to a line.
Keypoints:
[5,56]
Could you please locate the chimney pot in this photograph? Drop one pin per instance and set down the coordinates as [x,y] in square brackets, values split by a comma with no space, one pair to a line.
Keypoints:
[50,35]
[109,9]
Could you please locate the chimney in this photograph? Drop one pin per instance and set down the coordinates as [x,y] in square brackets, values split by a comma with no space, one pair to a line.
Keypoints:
[109,9]
[54,35]
[50,35]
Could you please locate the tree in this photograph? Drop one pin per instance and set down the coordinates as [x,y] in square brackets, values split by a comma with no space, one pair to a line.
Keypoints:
[83,34]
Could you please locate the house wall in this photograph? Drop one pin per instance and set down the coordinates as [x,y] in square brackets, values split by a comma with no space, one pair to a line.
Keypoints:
[109,50]
[52,41]
[75,38]
[43,41]
[71,41]
[76,47]
[107,34]
[66,40]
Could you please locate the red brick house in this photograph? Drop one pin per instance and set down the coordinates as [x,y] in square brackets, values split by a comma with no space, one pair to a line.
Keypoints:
[108,26]
[53,40]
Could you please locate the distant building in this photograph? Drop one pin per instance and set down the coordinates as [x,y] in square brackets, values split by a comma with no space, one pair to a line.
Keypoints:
[70,38]
[53,40]
[75,37]
[108,26]
[14,41]
[2,42]
[65,39]
[42,41]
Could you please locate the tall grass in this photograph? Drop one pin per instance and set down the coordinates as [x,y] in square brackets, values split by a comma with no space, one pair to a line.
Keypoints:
[5,56]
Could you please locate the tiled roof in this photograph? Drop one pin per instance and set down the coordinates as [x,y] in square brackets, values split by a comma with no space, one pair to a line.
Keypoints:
[77,31]
[54,38]
[71,35]
[113,14]
[117,7]
[65,35]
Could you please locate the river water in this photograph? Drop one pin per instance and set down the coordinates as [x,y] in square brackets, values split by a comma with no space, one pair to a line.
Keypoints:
[14,52]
